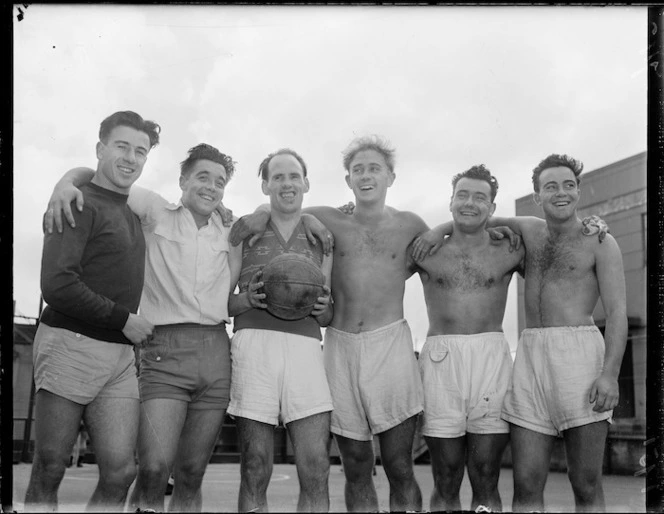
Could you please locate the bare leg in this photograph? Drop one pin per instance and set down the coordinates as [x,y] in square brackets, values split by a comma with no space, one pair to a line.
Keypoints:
[584,447]
[56,427]
[531,456]
[311,443]
[358,459]
[197,441]
[257,459]
[113,427]
[448,461]
[396,450]
[485,452]
[161,422]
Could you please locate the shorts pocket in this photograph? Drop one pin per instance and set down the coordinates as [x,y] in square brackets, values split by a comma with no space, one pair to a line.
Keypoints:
[155,352]
[438,355]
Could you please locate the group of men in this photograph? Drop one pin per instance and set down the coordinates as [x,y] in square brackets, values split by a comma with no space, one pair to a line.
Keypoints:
[190,272]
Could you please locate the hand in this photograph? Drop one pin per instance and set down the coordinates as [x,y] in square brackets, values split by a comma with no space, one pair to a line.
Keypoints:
[226,215]
[595,225]
[424,245]
[348,208]
[59,203]
[604,393]
[323,303]
[250,225]
[137,329]
[315,229]
[254,294]
[498,233]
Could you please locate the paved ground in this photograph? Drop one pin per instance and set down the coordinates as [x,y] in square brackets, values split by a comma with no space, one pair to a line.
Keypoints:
[220,489]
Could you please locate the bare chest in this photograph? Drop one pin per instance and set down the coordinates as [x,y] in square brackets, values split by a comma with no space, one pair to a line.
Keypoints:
[559,258]
[373,244]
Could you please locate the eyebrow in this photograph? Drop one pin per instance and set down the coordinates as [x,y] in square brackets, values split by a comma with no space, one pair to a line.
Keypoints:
[122,141]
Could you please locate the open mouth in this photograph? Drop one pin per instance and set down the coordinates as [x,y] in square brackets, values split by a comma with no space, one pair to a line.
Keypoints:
[290,195]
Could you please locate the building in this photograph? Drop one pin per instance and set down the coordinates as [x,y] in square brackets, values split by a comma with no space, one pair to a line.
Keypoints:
[617,193]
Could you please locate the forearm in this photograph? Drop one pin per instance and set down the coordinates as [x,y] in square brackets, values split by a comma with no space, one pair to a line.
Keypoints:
[615,341]
[78,176]
[238,304]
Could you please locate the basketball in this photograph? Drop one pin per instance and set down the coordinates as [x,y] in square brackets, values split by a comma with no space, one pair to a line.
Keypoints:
[292,283]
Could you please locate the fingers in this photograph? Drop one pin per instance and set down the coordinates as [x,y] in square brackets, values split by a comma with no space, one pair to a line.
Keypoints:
[69,216]
[328,244]
[253,239]
[48,221]
[435,248]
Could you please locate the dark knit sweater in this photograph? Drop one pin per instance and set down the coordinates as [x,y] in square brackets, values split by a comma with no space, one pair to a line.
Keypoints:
[92,275]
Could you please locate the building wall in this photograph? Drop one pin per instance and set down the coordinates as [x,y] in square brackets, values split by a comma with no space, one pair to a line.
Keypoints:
[616,193]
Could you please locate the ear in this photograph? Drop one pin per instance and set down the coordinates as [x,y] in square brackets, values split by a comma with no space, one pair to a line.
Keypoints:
[264,188]
[451,200]
[537,199]
[306,185]
[100,150]
[183,182]
[347,177]
[492,209]
[391,178]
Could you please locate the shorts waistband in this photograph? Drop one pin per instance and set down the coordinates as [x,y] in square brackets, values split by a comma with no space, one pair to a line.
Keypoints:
[564,329]
[178,326]
[368,333]
[482,336]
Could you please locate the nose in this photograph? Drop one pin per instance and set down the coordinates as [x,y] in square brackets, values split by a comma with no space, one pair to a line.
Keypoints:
[130,155]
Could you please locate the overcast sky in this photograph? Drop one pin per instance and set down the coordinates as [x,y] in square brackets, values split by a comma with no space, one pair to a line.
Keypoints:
[449,87]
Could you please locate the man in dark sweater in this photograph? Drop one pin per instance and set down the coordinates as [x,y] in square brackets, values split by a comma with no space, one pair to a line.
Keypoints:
[83,355]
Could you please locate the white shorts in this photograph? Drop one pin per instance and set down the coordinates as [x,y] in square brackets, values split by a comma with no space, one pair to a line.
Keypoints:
[374,380]
[554,370]
[277,376]
[465,378]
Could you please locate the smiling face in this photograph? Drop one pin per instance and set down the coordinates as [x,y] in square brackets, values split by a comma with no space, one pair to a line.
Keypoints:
[121,158]
[203,188]
[369,176]
[285,184]
[471,204]
[558,194]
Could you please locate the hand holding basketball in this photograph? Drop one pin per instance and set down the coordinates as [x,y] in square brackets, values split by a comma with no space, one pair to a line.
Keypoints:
[323,303]
[254,293]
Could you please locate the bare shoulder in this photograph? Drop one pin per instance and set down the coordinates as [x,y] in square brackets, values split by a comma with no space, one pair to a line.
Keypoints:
[409,219]
[326,214]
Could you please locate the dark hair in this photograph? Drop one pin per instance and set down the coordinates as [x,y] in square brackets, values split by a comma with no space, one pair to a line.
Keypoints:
[129,119]
[553,161]
[263,168]
[210,153]
[375,143]
[478,173]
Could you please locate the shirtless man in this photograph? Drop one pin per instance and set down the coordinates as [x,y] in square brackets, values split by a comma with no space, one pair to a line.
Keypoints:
[368,350]
[465,361]
[565,376]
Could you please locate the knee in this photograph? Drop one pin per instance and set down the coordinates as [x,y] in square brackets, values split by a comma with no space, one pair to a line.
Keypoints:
[483,472]
[399,469]
[50,464]
[190,474]
[585,483]
[529,484]
[314,468]
[358,467]
[121,476]
[153,472]
[256,467]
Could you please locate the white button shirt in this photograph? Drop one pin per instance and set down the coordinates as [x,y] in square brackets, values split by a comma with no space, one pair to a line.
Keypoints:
[187,273]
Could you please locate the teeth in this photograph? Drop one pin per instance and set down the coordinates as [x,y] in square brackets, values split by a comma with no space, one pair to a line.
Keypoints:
[126,170]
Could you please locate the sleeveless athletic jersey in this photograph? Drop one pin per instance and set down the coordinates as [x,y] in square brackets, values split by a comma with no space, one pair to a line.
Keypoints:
[270,245]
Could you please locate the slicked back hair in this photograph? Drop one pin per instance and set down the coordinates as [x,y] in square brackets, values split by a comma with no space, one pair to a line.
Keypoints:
[204,151]
[263,170]
[479,172]
[129,119]
[554,161]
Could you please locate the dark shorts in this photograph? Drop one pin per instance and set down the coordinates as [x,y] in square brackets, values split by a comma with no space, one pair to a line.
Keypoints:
[187,362]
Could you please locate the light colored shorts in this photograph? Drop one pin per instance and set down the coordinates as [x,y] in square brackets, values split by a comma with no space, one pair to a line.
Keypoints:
[553,373]
[465,378]
[374,380]
[80,368]
[277,377]
[187,362]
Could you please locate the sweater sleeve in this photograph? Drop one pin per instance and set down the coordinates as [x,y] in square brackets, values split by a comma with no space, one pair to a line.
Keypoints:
[62,287]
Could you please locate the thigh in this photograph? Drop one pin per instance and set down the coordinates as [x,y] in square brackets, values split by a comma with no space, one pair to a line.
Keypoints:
[256,439]
[396,444]
[531,454]
[161,422]
[584,448]
[311,436]
[486,450]
[113,426]
[198,438]
[446,453]
[57,420]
